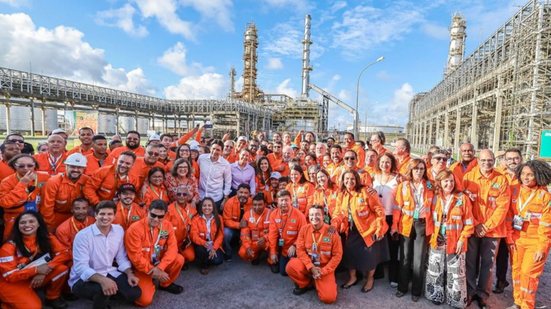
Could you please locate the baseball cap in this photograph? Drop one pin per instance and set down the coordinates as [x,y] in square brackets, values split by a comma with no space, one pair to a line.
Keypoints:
[242,138]
[154,137]
[76,159]
[58,131]
[275,175]
[127,187]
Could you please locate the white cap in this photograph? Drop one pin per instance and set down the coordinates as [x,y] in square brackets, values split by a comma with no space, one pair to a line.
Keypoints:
[58,131]
[76,159]
[193,145]
[154,137]
[242,138]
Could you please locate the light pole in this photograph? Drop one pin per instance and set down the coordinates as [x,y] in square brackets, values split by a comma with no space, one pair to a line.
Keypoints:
[356,113]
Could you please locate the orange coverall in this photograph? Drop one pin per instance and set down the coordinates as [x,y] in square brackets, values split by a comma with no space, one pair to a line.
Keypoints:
[328,248]
[492,201]
[198,232]
[59,194]
[256,227]
[535,236]
[232,211]
[14,195]
[125,217]
[140,169]
[286,227]
[458,181]
[114,155]
[15,283]
[302,195]
[79,149]
[103,184]
[459,170]
[327,198]
[67,230]
[44,164]
[403,166]
[365,177]
[180,217]
[5,170]
[149,193]
[402,215]
[459,222]
[360,154]
[148,248]
[92,164]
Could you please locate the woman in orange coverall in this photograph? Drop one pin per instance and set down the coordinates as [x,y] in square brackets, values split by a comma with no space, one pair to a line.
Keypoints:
[302,191]
[28,242]
[326,194]
[154,188]
[207,233]
[453,225]
[531,231]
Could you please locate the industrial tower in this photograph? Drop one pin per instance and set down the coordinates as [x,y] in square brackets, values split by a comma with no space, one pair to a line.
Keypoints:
[457,43]
[250,92]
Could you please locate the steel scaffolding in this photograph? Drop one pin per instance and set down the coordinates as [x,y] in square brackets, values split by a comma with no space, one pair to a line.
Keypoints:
[500,95]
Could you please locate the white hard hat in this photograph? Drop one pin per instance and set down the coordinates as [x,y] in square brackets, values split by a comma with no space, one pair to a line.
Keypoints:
[76,159]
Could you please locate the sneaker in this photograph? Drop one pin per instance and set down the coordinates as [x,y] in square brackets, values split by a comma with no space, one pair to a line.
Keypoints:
[173,288]
[57,303]
[393,284]
[399,294]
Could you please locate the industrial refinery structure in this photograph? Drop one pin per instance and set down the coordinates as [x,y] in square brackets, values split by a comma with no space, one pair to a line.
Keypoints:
[499,96]
[32,103]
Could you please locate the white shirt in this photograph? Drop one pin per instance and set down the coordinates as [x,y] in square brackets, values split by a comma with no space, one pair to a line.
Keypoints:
[93,253]
[387,193]
[214,178]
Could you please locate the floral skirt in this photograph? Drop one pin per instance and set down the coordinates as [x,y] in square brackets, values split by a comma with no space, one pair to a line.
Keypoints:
[446,280]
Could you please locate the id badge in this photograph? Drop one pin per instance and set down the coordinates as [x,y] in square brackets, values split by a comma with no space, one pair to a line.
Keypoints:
[443,229]
[315,259]
[518,221]
[280,242]
[254,235]
[416,214]
[31,206]
[295,203]
[327,219]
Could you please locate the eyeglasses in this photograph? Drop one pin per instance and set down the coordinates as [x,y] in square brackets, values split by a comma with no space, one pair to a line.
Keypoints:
[184,150]
[349,158]
[418,168]
[153,216]
[16,141]
[24,165]
[439,158]
[181,194]
[153,154]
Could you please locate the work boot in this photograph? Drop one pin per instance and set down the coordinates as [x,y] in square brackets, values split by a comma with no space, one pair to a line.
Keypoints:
[173,288]
[500,286]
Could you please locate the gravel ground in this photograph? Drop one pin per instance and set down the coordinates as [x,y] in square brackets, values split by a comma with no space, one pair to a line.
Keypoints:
[240,285]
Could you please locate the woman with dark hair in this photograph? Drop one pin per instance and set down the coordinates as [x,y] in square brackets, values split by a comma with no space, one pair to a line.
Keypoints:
[22,190]
[326,194]
[154,187]
[360,216]
[531,234]
[31,259]
[385,181]
[263,172]
[181,176]
[207,233]
[412,220]
[184,152]
[302,191]
[453,225]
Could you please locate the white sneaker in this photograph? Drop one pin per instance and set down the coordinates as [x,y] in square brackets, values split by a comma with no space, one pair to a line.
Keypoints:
[393,284]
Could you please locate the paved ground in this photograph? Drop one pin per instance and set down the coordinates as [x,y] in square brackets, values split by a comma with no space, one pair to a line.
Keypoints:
[240,285]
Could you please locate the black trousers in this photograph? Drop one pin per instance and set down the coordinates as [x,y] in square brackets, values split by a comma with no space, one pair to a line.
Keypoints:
[393,248]
[502,261]
[413,253]
[202,257]
[92,290]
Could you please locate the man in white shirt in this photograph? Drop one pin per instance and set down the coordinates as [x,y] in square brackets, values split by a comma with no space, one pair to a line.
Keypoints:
[94,249]
[215,175]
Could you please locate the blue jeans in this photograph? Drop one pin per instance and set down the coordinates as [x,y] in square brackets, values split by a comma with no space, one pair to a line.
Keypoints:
[229,236]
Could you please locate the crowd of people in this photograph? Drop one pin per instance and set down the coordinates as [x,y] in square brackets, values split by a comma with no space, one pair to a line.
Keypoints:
[108,217]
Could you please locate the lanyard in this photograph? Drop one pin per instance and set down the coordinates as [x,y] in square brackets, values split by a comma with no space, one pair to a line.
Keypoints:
[417,195]
[54,163]
[208,226]
[75,225]
[314,242]
[447,205]
[180,212]
[160,196]
[253,220]
[285,223]
[521,205]
[127,215]
[158,235]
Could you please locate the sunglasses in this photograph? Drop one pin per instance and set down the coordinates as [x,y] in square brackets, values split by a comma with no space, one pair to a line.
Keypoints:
[153,154]
[16,141]
[418,168]
[349,158]
[153,216]
[440,159]
[181,194]
[25,165]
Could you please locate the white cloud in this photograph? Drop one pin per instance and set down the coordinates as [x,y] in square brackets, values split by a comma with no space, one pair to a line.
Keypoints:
[15,3]
[363,27]
[121,18]
[61,52]
[206,86]
[213,10]
[164,11]
[394,112]
[274,64]
[284,88]
[285,39]
[338,6]
[298,6]
[175,59]
[344,95]
[436,31]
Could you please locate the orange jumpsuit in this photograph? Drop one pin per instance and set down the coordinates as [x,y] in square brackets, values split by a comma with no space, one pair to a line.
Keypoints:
[360,153]
[104,183]
[232,212]
[59,194]
[67,230]
[327,198]
[320,247]
[459,222]
[365,210]
[148,248]
[403,214]
[92,164]
[458,181]
[125,217]
[140,169]
[284,228]
[276,161]
[79,150]
[333,168]
[181,217]
[459,170]
[534,206]
[381,150]
[15,282]
[5,170]
[149,193]
[365,177]
[198,233]
[403,166]
[114,155]
[50,166]
[492,201]
[256,228]
[14,195]
[302,195]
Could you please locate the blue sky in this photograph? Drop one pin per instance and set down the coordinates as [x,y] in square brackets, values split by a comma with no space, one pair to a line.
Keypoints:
[185,48]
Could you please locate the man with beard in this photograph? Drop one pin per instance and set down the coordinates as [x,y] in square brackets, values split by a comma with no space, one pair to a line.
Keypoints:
[128,211]
[67,230]
[61,190]
[104,182]
[52,161]
[96,159]
[350,144]
[85,136]
[321,150]
[319,252]
[234,209]
[9,149]
[142,165]
[336,159]
[132,144]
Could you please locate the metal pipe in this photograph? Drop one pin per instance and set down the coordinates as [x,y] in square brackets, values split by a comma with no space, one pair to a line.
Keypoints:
[356,118]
